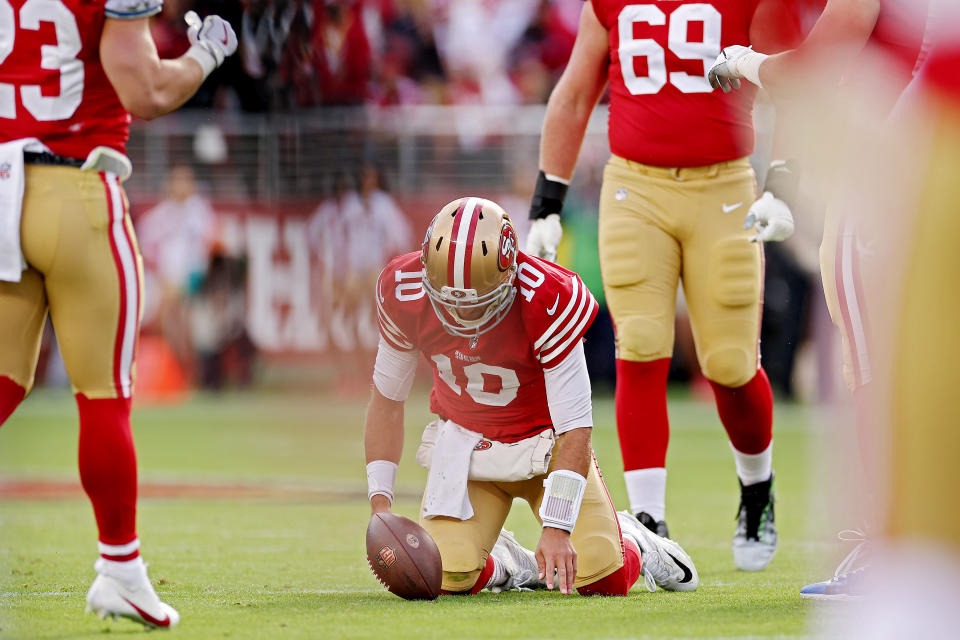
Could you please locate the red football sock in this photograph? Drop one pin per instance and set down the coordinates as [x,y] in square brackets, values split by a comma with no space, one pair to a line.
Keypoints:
[11,394]
[619,582]
[479,585]
[108,472]
[747,413]
[641,407]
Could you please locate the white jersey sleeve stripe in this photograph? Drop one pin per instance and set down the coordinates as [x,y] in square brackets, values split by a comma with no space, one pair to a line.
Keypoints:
[387,320]
[395,340]
[556,323]
[390,330]
[574,319]
[392,335]
[544,359]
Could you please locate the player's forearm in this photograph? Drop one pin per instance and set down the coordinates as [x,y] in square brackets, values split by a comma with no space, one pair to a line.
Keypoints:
[573,451]
[836,39]
[383,433]
[172,83]
[564,126]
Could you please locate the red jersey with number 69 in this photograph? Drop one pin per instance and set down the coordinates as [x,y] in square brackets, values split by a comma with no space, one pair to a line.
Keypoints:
[663,111]
[52,85]
[495,385]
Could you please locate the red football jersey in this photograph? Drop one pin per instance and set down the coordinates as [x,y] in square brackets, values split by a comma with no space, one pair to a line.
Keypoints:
[52,85]
[663,111]
[495,386]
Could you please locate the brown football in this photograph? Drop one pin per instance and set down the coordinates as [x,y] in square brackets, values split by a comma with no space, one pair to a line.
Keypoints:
[404,557]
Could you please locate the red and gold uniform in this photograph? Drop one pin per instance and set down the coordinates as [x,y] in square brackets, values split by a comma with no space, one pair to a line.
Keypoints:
[494,384]
[77,241]
[672,206]
[76,235]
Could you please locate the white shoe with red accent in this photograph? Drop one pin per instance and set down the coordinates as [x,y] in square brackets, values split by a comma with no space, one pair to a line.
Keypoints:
[123,589]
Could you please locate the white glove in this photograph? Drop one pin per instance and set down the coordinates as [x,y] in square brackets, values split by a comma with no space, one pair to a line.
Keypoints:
[771,217]
[211,40]
[733,63]
[544,237]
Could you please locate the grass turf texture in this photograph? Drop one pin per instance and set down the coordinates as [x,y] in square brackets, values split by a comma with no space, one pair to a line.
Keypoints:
[293,566]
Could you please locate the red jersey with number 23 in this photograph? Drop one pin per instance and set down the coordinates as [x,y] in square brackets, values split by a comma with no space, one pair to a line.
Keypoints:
[494,386]
[663,111]
[52,85]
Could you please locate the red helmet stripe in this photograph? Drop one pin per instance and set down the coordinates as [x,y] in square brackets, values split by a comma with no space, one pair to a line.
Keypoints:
[465,227]
[471,234]
[451,253]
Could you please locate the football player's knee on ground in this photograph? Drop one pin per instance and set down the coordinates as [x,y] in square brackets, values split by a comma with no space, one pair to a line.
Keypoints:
[598,551]
[617,583]
[462,565]
[729,366]
[641,339]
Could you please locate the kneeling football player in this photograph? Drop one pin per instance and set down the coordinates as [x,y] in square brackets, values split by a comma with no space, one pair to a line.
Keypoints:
[503,332]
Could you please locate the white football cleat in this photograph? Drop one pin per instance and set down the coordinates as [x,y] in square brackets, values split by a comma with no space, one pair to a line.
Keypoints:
[519,562]
[124,589]
[662,560]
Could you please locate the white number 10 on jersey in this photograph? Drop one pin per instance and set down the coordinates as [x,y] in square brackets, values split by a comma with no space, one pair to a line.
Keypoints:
[677,41]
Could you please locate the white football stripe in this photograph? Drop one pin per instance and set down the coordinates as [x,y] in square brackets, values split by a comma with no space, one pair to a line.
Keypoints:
[556,323]
[574,319]
[463,234]
[131,284]
[576,334]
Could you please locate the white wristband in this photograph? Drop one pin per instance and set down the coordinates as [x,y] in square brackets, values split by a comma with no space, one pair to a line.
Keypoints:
[748,66]
[562,495]
[381,478]
[204,58]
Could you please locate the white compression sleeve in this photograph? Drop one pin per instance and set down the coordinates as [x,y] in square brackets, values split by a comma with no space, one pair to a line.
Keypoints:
[393,371]
[568,392]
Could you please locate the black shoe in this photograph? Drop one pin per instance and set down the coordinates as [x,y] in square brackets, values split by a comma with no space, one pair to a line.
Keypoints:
[755,540]
[659,527]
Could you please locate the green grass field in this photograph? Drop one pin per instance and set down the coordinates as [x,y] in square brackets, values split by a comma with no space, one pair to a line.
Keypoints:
[269,541]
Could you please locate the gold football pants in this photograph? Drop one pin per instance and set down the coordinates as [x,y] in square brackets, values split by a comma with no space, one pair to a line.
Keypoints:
[465,544]
[659,226]
[84,267]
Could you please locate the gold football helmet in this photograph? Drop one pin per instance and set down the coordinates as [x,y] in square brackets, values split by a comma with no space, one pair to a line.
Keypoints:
[469,258]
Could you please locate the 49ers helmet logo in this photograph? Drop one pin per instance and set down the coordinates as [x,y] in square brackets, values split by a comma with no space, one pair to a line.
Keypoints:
[508,248]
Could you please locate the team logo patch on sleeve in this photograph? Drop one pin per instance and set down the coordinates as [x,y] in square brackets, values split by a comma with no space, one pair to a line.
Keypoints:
[508,247]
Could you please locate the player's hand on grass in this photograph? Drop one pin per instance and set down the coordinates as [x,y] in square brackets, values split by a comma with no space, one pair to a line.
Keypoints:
[379,504]
[555,552]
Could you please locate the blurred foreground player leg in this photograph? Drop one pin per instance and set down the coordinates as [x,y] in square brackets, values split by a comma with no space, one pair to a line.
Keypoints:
[67,244]
[874,43]
[672,210]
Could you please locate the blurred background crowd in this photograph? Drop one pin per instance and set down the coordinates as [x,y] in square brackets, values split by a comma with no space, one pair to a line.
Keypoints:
[267,207]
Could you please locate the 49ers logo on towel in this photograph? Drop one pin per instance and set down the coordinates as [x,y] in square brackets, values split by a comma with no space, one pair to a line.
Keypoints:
[508,248]
[483,445]
[386,557]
